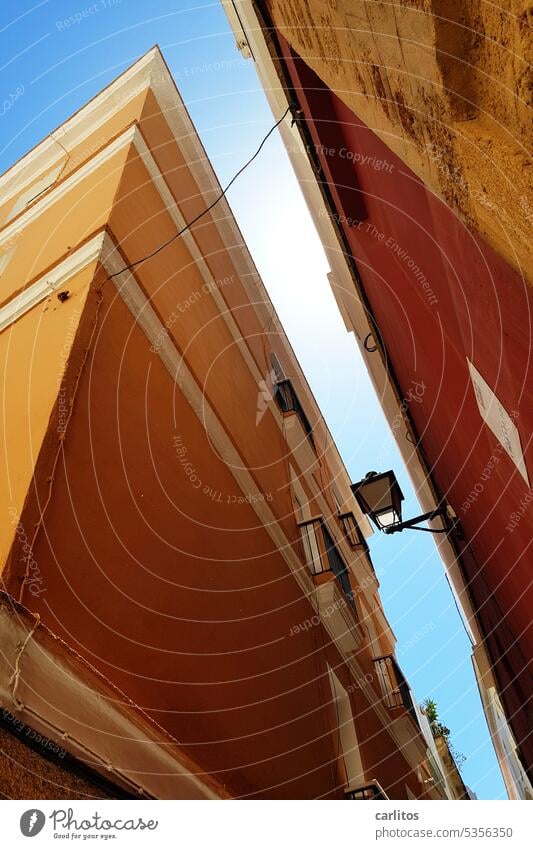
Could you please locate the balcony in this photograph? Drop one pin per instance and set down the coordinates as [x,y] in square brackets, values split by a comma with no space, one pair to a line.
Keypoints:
[296,426]
[288,402]
[373,791]
[394,687]
[322,555]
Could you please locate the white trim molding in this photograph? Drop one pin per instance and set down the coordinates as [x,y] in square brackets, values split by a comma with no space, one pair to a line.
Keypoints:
[51,281]
[56,192]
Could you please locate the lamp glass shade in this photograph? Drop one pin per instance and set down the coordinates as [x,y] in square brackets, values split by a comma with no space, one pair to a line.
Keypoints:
[380,498]
[388,518]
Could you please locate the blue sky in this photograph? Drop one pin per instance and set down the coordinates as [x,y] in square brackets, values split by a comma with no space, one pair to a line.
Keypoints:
[49,68]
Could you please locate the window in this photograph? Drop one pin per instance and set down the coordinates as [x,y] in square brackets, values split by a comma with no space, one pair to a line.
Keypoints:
[288,402]
[394,687]
[372,632]
[276,368]
[310,541]
[351,530]
[367,791]
[349,744]
[338,566]
[299,496]
[322,555]
[336,499]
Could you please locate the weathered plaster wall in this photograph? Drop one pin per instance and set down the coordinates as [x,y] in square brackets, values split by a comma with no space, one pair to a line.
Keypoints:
[446,85]
[27,774]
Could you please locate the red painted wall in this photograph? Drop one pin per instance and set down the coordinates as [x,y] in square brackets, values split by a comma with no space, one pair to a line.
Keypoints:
[464,302]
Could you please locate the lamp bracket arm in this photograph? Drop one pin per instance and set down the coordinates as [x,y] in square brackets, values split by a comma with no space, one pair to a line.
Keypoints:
[425,517]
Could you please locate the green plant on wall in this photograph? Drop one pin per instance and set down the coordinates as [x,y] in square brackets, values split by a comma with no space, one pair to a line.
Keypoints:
[429,708]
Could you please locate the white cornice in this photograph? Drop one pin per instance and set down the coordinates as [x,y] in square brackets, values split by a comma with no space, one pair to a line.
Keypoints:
[82,124]
[11,231]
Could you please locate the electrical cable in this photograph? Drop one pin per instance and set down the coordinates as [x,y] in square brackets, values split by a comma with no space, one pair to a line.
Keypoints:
[208,208]
[369,348]
[67,154]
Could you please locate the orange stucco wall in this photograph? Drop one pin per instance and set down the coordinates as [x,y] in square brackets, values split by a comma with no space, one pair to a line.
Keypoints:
[72,219]
[180,599]
[151,562]
[33,357]
[188,620]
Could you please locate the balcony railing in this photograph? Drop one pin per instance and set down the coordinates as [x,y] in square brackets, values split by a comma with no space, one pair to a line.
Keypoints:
[323,555]
[288,402]
[366,791]
[395,689]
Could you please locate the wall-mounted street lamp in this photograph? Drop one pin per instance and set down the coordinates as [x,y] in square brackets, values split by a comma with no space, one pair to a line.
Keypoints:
[380,498]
